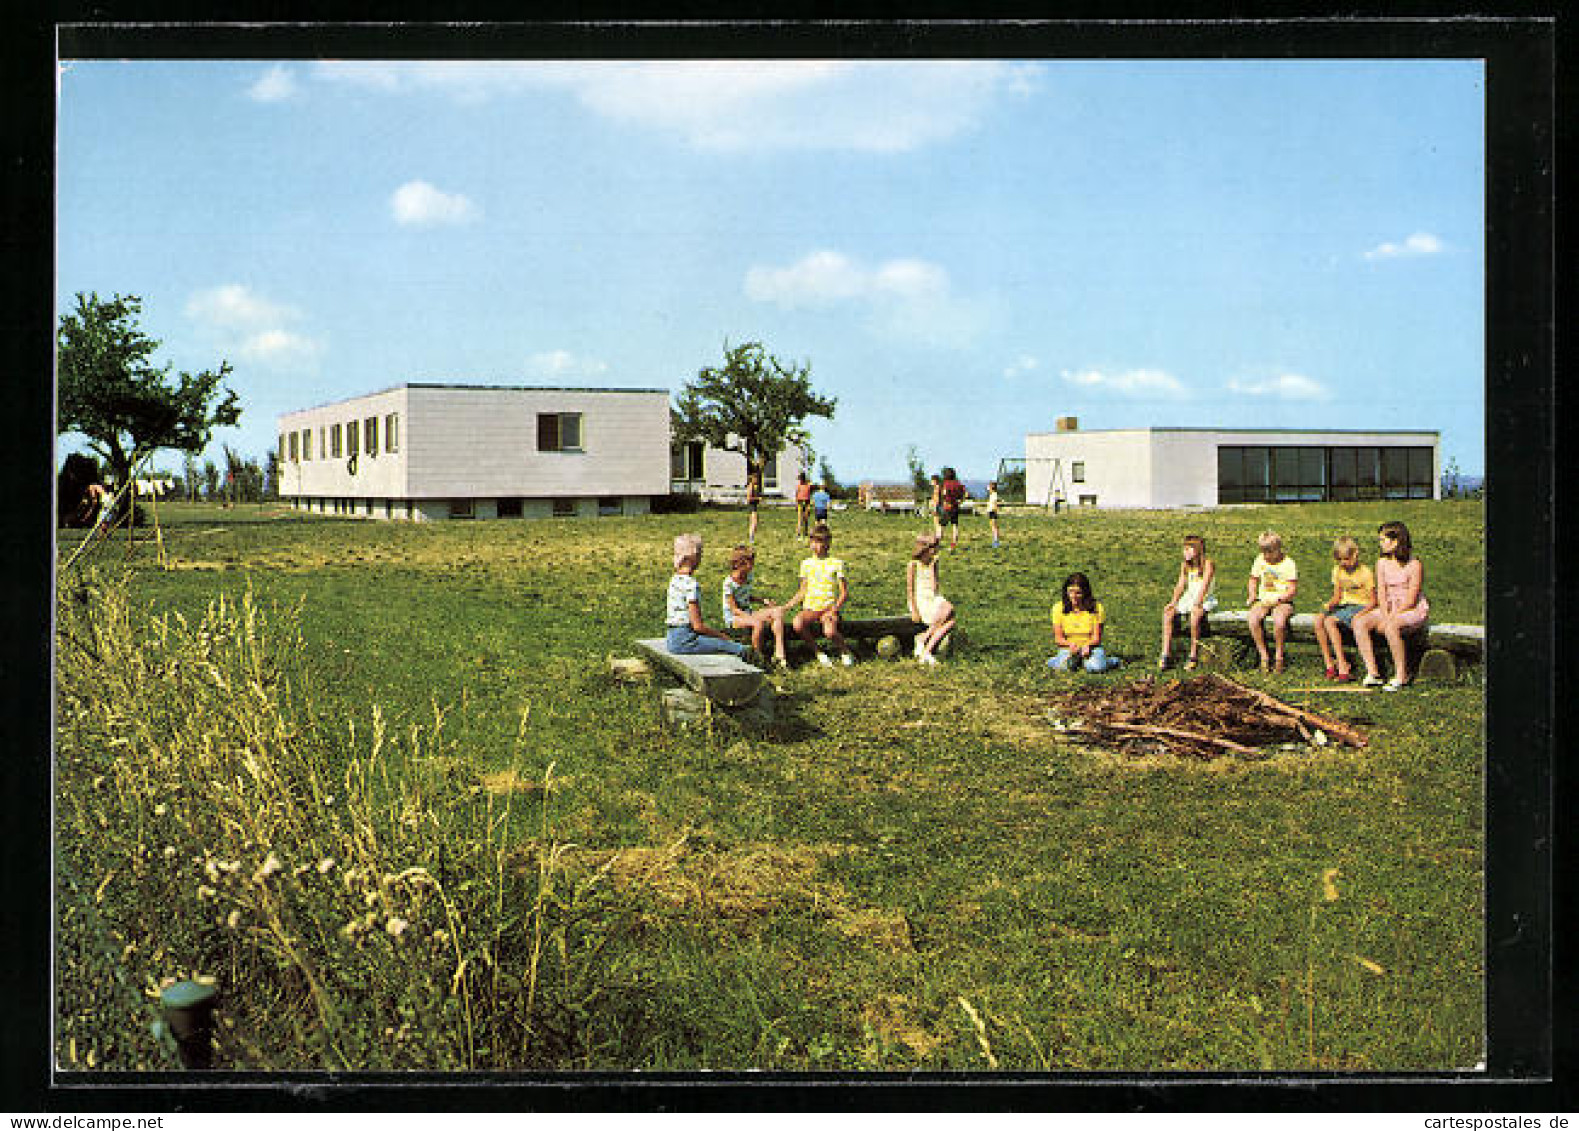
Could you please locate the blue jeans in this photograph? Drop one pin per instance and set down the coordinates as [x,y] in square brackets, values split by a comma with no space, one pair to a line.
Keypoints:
[686,641]
[1098,661]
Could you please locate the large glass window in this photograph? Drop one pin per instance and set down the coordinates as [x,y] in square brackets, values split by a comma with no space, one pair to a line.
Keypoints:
[1395,473]
[335,448]
[370,433]
[392,432]
[1421,478]
[685,461]
[307,443]
[1286,473]
[351,431]
[295,457]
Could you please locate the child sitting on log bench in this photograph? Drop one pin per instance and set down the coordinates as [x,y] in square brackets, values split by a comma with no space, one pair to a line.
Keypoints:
[685,632]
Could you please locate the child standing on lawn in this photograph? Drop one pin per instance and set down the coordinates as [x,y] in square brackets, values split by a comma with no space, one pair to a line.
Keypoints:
[1192,599]
[802,506]
[738,601]
[1353,593]
[927,604]
[1077,626]
[1274,579]
[992,512]
[1400,606]
[686,634]
[822,593]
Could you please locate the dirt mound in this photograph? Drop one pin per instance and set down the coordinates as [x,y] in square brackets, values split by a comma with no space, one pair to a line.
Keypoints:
[1205,717]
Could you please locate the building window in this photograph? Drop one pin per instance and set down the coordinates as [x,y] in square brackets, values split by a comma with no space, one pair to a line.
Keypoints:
[370,433]
[559,431]
[307,443]
[509,508]
[283,448]
[334,441]
[564,508]
[1088,500]
[1077,472]
[770,473]
[351,431]
[323,452]
[462,508]
[685,461]
[1290,474]
[295,457]
[611,506]
[392,432]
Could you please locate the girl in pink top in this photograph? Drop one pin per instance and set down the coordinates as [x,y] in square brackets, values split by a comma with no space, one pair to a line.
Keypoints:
[1400,606]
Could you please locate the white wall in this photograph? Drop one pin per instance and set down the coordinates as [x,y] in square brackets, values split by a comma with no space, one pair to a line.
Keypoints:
[481,443]
[1165,468]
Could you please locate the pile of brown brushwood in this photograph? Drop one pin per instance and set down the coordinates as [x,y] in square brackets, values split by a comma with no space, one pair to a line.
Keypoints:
[1204,717]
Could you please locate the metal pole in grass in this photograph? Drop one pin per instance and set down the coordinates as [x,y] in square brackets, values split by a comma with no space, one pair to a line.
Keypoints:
[189,1015]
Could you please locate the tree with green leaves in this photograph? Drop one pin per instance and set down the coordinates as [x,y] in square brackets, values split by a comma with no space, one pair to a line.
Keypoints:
[753,404]
[110,391]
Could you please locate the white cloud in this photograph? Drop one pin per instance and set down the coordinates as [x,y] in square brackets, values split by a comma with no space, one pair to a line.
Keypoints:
[244,323]
[884,106]
[275,85]
[1021,365]
[1129,383]
[1288,387]
[910,298]
[560,364]
[417,202]
[1421,243]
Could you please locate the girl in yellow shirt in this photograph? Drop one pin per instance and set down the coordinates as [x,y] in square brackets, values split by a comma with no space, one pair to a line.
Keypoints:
[1077,626]
[1353,592]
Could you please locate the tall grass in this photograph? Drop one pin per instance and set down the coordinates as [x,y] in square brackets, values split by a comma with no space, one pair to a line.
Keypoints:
[359,896]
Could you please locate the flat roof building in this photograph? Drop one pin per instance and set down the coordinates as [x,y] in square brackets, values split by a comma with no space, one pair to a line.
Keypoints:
[1196,467]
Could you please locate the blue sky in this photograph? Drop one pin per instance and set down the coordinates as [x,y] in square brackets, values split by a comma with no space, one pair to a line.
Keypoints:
[963,251]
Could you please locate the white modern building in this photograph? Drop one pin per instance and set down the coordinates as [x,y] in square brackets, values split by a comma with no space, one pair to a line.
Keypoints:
[719,474]
[436,451]
[1194,467]
[424,452]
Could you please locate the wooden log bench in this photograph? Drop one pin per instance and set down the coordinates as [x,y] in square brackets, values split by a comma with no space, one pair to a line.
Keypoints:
[867,630]
[1434,654]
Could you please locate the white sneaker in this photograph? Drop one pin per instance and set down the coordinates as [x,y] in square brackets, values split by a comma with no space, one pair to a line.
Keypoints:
[928,661]
[1393,685]
[824,660]
[847,660]
[918,645]
[1371,681]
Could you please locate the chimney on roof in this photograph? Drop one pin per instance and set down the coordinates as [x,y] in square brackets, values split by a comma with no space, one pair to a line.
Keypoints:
[1068,424]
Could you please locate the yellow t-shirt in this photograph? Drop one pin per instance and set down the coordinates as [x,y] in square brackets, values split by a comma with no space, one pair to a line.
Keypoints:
[1080,625]
[1356,588]
[822,577]
[1274,579]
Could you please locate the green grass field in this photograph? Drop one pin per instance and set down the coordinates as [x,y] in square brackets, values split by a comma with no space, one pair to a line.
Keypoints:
[489,853]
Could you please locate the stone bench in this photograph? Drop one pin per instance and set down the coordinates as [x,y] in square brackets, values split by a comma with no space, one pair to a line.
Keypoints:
[725,680]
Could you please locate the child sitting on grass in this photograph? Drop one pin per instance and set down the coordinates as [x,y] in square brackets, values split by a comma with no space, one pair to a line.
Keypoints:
[1274,579]
[1077,626]
[1353,593]
[738,600]
[822,593]
[686,634]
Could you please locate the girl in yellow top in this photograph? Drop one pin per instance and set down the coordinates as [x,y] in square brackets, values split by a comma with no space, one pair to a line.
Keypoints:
[824,592]
[1077,626]
[1353,592]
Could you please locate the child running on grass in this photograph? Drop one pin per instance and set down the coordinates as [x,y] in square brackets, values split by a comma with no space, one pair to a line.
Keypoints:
[822,593]
[1192,599]
[1400,606]
[738,600]
[1077,626]
[686,634]
[927,605]
[1274,579]
[1353,593]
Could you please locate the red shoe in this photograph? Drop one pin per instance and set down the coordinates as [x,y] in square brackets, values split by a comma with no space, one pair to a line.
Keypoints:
[1332,672]
[1345,677]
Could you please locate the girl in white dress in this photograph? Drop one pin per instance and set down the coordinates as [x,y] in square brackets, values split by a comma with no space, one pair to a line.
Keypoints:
[1192,599]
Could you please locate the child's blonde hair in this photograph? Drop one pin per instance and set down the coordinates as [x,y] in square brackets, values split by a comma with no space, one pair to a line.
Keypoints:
[1343,547]
[925,542]
[1198,544]
[686,546]
[741,556]
[1269,540]
[821,533]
